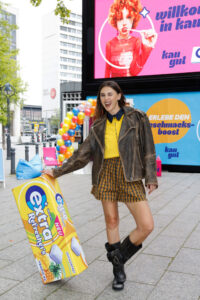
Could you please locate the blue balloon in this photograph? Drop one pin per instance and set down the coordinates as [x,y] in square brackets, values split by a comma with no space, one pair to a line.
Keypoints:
[77,127]
[75,111]
[68,143]
[58,148]
[71,132]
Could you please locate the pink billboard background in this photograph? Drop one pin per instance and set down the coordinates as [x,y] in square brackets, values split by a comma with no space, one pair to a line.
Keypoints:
[181,37]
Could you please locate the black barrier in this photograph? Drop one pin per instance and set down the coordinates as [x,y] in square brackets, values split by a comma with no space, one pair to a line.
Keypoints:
[12,155]
[44,144]
[26,153]
[50,144]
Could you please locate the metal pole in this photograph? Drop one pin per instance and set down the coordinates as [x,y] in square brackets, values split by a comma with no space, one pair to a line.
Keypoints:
[44,144]
[50,144]
[12,153]
[36,149]
[26,153]
[8,128]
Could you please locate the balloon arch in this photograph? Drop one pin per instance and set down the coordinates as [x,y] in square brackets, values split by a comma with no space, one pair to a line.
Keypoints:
[70,125]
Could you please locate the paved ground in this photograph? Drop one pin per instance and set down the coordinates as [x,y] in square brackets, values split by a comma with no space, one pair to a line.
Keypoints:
[167,267]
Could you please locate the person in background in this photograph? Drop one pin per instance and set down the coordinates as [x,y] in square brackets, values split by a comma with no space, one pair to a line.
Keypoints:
[121,145]
[125,50]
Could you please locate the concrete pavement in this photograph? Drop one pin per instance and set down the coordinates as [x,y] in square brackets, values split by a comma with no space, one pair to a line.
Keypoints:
[167,267]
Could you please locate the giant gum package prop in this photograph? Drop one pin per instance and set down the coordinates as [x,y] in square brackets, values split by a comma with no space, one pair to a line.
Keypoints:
[49,228]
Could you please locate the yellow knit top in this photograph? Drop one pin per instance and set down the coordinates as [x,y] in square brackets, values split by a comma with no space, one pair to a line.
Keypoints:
[111,138]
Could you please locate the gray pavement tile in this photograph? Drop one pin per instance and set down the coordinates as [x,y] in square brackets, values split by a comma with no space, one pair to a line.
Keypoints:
[187,261]
[16,251]
[162,220]
[9,226]
[132,291]
[90,230]
[20,269]
[176,286]
[93,280]
[194,206]
[179,229]
[147,268]
[92,253]
[98,240]
[4,263]
[63,294]
[32,288]
[194,240]
[172,208]
[12,238]
[164,245]
[6,284]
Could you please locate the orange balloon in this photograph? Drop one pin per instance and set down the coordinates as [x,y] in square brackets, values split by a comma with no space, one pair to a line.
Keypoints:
[79,122]
[72,139]
[68,154]
[94,102]
[92,111]
[72,125]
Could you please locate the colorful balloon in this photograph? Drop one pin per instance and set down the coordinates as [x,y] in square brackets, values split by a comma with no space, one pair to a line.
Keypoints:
[72,139]
[81,115]
[60,142]
[71,132]
[70,149]
[70,115]
[72,125]
[61,157]
[68,154]
[81,108]
[58,148]
[74,119]
[94,102]
[67,120]
[90,100]
[61,124]
[75,111]
[87,112]
[68,143]
[92,111]
[63,149]
[78,127]
[80,122]
[61,131]
[65,136]
[65,127]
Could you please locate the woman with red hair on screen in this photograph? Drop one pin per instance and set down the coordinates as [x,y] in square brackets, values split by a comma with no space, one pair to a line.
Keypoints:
[126,51]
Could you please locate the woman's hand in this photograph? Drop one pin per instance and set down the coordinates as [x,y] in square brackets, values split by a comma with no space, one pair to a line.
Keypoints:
[149,37]
[48,172]
[151,188]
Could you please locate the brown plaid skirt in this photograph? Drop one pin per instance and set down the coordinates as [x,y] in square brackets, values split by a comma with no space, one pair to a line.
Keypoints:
[113,187]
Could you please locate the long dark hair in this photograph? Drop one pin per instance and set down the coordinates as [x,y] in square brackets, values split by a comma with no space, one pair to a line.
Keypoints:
[100,110]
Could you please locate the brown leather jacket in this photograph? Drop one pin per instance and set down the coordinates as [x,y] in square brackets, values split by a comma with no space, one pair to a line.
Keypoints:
[136,149]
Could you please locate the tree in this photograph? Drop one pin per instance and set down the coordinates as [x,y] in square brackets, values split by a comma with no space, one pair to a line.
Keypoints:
[60,9]
[9,68]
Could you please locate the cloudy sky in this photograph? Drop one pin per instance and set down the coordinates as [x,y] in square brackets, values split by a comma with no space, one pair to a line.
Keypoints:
[30,42]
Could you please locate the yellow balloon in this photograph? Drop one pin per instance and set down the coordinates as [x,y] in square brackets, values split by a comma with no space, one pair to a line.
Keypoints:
[61,131]
[81,115]
[70,115]
[70,149]
[90,101]
[61,157]
[60,142]
[65,127]
[67,120]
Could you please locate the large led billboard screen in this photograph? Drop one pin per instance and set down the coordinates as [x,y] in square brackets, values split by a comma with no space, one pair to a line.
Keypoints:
[146,37]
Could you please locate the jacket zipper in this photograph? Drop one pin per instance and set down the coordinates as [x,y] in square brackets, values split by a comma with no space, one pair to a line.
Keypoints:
[102,150]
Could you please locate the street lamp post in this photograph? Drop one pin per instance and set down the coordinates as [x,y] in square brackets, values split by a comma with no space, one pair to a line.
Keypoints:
[8,91]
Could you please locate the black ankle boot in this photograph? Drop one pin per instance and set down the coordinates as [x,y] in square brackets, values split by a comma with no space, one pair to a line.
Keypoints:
[128,249]
[115,257]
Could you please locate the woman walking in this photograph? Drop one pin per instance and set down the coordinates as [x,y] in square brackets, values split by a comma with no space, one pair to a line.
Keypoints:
[121,145]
